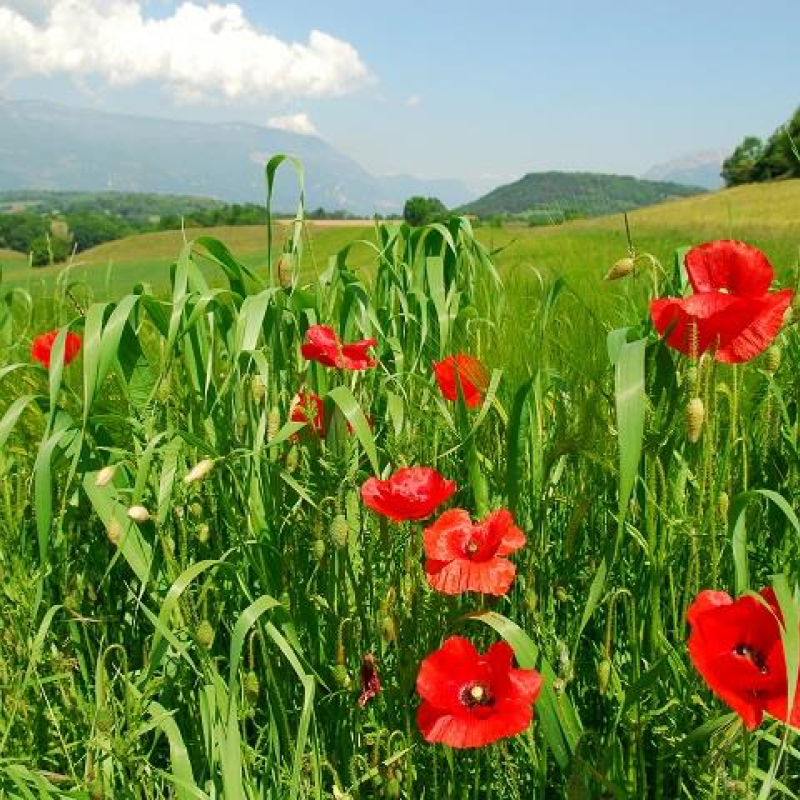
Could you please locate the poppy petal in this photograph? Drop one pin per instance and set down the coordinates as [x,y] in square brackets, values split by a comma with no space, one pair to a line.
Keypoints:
[446,538]
[765,321]
[736,267]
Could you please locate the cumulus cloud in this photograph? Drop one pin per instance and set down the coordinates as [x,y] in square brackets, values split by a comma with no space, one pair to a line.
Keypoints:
[294,123]
[413,100]
[200,51]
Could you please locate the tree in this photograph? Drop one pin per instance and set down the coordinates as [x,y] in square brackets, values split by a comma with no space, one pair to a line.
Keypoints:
[420,210]
[741,165]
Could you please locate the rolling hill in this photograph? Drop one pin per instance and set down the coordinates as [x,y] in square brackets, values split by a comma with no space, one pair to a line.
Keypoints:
[579,193]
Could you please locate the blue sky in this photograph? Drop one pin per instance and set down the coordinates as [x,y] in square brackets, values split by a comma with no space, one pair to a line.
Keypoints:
[475,90]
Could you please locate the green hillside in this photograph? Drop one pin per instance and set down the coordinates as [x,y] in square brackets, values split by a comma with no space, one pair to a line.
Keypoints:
[561,195]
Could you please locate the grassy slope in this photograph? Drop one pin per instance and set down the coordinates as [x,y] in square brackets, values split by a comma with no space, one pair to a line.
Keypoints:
[768,215]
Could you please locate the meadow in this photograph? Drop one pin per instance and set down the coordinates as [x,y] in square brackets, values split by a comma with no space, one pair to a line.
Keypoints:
[203,599]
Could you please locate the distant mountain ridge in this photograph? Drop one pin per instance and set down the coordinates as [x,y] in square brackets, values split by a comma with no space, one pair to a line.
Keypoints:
[694,169]
[49,146]
[585,193]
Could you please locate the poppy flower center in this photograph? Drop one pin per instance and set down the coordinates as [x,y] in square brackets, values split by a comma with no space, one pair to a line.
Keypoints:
[476,694]
[471,547]
[753,655]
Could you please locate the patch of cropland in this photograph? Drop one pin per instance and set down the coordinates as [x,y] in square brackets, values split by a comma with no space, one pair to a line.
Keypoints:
[555,196]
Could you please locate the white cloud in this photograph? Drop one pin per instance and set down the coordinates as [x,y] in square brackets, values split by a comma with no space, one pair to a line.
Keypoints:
[413,100]
[200,51]
[294,123]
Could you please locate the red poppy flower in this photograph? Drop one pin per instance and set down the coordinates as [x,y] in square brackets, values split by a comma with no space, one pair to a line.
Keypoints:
[323,345]
[411,493]
[307,407]
[43,347]
[731,309]
[370,682]
[466,371]
[469,699]
[736,646]
[467,557]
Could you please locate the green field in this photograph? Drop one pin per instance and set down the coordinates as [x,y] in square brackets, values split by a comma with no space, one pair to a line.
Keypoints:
[203,619]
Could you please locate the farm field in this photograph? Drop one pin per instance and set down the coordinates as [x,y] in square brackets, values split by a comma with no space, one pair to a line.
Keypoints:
[490,549]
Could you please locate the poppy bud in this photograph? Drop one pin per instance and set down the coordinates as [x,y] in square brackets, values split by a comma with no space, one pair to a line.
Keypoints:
[104,719]
[285,600]
[252,687]
[339,531]
[139,514]
[773,360]
[257,388]
[105,476]
[273,423]
[695,416]
[292,459]
[341,677]
[561,594]
[205,635]
[603,675]
[621,269]
[199,471]
[114,532]
[203,533]
[724,504]
[392,788]
[196,510]
[285,270]
[318,549]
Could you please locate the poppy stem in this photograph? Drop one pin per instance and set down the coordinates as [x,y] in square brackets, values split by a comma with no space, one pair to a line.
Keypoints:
[745,776]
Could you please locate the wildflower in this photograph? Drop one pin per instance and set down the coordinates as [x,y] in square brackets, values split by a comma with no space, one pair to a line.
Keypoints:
[466,371]
[736,646]
[307,407]
[42,348]
[462,556]
[323,345]
[411,493]
[470,699]
[370,682]
[731,309]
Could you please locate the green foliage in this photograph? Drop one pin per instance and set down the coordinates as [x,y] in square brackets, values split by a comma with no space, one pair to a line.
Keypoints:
[423,210]
[754,161]
[561,195]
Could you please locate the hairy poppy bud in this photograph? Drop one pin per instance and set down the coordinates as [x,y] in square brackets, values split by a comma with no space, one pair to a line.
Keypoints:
[285,270]
[286,600]
[252,687]
[773,360]
[257,388]
[389,629]
[695,416]
[621,269]
[339,531]
[318,549]
[603,674]
[199,471]
[114,531]
[341,676]
[104,719]
[203,533]
[205,635]
[292,459]
[105,475]
[196,510]
[139,514]
[273,423]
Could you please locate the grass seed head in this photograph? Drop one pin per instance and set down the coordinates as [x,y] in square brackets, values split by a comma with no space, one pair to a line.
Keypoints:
[273,423]
[695,417]
[339,530]
[104,719]
[603,675]
[318,549]
[139,514]
[199,471]
[292,459]
[105,475]
[252,687]
[341,676]
[724,504]
[257,388]
[389,629]
[285,270]
[203,533]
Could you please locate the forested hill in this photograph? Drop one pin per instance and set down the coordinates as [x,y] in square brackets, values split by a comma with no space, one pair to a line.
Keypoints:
[576,194]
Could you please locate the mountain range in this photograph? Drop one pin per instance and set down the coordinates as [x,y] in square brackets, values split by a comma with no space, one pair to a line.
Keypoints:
[695,169]
[45,145]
